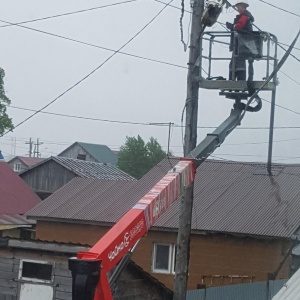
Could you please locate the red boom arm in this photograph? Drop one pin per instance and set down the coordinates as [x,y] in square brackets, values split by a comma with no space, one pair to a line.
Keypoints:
[134,224]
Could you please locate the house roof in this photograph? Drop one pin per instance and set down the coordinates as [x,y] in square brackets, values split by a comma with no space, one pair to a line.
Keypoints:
[101,153]
[28,161]
[229,197]
[86,169]
[14,220]
[16,197]
[246,291]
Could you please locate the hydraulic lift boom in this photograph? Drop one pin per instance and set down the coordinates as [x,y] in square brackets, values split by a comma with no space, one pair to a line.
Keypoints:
[90,269]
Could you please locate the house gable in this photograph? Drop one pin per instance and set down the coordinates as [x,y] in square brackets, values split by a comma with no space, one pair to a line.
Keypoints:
[90,152]
[47,177]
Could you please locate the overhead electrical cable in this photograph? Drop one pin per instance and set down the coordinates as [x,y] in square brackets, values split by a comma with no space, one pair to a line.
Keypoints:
[143,123]
[282,107]
[280,8]
[92,72]
[68,14]
[97,46]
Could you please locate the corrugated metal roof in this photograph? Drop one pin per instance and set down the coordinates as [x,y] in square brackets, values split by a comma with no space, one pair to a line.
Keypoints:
[15,220]
[246,291]
[101,153]
[87,169]
[291,290]
[229,197]
[16,197]
[91,169]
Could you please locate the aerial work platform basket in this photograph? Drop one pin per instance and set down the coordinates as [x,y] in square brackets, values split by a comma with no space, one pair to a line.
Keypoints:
[254,46]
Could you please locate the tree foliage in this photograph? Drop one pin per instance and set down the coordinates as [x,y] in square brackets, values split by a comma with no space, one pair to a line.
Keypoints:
[5,121]
[137,157]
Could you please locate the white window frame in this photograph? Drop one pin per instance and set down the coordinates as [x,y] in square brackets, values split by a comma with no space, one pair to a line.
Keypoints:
[17,167]
[171,260]
[174,252]
[31,279]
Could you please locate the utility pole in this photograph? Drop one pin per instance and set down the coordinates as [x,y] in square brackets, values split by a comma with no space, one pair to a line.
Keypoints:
[190,142]
[30,142]
[37,148]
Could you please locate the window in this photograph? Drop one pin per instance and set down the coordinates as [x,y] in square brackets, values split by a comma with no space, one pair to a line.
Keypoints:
[25,233]
[17,167]
[164,256]
[36,271]
[81,156]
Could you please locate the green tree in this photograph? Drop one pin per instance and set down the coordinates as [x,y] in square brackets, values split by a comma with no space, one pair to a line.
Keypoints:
[155,152]
[5,121]
[136,158]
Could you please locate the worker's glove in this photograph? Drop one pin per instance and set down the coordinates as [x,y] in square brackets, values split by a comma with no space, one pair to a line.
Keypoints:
[229,26]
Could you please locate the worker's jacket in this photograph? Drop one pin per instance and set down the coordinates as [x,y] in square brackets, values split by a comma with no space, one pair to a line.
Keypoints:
[242,24]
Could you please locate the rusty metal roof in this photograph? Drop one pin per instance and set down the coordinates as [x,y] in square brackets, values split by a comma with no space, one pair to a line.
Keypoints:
[16,197]
[230,197]
[86,169]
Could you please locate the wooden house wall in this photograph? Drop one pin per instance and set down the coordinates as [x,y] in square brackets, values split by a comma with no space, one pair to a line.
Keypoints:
[9,268]
[131,286]
[214,259]
[48,177]
[9,272]
[73,152]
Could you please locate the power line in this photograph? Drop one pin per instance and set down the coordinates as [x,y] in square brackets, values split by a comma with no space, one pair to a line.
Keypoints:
[145,123]
[96,46]
[288,45]
[260,143]
[68,14]
[287,11]
[84,118]
[282,107]
[93,71]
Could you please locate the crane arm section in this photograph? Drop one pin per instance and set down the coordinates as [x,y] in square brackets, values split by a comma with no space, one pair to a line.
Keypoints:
[114,245]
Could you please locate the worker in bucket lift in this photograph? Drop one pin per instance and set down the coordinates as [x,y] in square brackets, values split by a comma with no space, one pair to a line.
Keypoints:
[243,25]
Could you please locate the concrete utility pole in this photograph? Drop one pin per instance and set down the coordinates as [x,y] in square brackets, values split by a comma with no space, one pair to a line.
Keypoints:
[36,152]
[190,142]
[30,142]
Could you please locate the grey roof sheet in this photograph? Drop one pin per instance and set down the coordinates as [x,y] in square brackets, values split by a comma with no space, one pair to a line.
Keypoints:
[87,169]
[291,290]
[229,197]
[15,220]
[246,291]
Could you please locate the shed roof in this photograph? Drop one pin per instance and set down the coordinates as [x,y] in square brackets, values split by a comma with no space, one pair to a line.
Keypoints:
[16,197]
[86,169]
[229,197]
[101,153]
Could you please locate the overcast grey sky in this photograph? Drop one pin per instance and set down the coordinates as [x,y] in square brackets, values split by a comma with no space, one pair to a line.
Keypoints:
[39,67]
